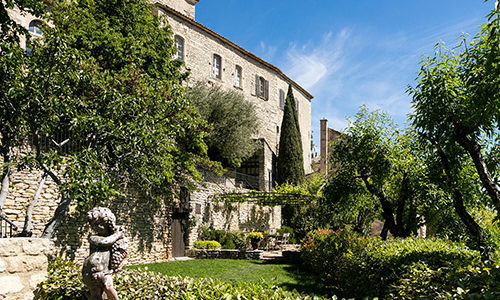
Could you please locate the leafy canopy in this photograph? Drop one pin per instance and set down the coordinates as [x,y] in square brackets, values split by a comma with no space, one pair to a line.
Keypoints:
[105,76]
[234,123]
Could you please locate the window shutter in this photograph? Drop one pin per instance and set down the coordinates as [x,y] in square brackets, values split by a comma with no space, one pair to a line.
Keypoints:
[266,90]
[282,99]
[257,85]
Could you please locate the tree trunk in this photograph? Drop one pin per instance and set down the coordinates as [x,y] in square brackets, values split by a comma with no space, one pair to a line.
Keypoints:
[474,150]
[29,212]
[387,211]
[384,232]
[458,202]
[61,210]
[404,195]
[4,190]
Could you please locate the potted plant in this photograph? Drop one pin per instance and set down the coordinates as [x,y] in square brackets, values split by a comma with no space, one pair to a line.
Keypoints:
[255,238]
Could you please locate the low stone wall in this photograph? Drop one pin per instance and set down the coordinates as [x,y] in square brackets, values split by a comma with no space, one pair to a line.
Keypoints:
[23,265]
[228,254]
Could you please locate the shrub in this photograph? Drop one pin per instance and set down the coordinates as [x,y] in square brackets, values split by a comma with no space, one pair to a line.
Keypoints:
[64,282]
[356,266]
[207,245]
[286,229]
[255,238]
[228,240]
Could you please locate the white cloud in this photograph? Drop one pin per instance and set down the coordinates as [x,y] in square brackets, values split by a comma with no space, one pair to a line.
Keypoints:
[356,66]
[309,64]
[267,51]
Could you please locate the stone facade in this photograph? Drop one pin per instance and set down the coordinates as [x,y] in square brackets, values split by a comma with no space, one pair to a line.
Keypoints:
[327,137]
[23,265]
[149,226]
[218,214]
[200,44]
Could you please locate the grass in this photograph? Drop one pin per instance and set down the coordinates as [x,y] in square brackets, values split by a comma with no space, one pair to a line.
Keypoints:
[287,276]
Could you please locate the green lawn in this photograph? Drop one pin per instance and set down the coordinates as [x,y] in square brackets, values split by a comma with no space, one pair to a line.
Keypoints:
[287,276]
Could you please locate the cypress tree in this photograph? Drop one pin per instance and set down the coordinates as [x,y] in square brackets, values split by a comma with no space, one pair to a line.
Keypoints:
[290,164]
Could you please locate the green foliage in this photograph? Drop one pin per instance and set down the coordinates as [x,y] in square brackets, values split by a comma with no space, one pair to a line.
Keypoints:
[357,266]
[380,173]
[290,163]
[311,212]
[289,230]
[64,282]
[255,236]
[105,75]
[228,240]
[471,282]
[207,245]
[233,119]
[456,114]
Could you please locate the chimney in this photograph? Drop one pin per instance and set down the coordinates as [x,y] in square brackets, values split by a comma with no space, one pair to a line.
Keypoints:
[323,151]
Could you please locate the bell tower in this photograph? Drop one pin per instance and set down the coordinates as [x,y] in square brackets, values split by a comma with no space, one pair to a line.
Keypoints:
[185,7]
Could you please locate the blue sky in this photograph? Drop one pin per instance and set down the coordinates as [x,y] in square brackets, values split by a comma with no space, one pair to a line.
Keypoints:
[346,53]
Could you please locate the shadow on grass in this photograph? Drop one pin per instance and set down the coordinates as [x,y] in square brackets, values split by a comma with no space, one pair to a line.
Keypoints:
[306,282]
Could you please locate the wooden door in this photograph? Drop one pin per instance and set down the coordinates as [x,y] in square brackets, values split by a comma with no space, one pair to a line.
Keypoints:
[178,239]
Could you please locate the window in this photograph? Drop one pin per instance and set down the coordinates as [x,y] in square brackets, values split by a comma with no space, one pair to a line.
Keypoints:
[261,87]
[217,67]
[28,50]
[35,27]
[282,99]
[237,76]
[179,44]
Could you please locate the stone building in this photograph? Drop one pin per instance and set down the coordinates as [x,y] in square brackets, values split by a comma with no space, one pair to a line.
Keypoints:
[328,135]
[213,59]
[159,233]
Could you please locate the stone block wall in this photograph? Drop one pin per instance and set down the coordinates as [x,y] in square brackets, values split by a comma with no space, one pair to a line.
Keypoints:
[207,210]
[200,44]
[23,265]
[147,225]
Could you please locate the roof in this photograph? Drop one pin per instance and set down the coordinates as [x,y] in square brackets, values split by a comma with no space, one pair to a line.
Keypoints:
[237,47]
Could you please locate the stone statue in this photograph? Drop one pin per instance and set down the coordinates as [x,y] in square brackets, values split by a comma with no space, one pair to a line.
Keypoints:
[108,249]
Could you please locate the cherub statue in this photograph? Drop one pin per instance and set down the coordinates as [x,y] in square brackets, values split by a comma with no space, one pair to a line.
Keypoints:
[108,249]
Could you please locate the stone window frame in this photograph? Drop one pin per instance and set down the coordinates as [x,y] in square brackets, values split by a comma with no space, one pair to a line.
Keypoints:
[238,76]
[217,66]
[179,46]
[261,87]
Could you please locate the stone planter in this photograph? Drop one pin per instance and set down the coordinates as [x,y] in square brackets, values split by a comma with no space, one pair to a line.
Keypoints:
[226,254]
[253,254]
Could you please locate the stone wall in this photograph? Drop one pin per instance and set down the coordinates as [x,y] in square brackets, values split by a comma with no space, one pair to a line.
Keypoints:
[200,44]
[148,224]
[185,7]
[23,265]
[207,210]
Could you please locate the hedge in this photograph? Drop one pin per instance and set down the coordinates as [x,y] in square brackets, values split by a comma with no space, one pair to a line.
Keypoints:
[64,282]
[357,266]
[207,245]
[228,240]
